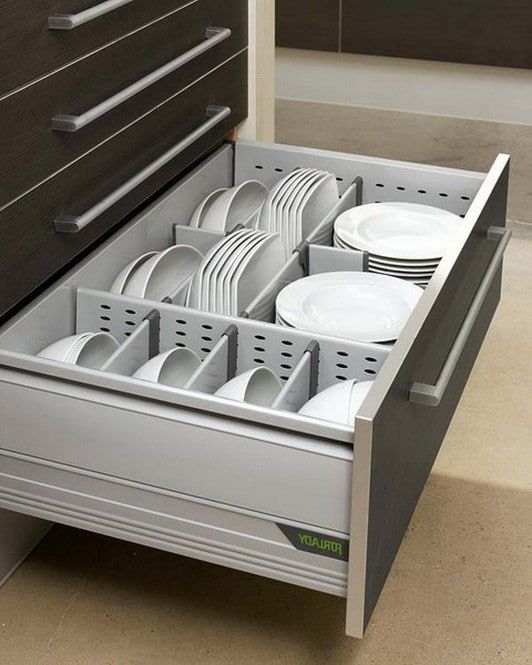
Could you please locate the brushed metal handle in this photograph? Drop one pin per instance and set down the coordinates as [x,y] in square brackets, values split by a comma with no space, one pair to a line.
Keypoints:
[75,223]
[73,123]
[432,395]
[71,21]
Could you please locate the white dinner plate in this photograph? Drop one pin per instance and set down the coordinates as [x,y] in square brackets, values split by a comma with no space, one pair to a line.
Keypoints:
[353,305]
[398,230]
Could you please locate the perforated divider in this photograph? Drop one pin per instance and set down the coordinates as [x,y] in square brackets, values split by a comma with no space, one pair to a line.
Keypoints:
[383,180]
[133,352]
[259,344]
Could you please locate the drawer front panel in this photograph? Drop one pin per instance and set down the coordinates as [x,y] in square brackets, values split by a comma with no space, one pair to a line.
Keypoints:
[24,31]
[32,251]
[171,449]
[102,93]
[401,427]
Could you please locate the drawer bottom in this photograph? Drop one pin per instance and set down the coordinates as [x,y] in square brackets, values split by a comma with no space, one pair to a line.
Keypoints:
[210,531]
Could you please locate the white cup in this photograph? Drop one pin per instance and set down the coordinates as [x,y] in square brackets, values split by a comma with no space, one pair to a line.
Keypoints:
[173,368]
[257,386]
[339,403]
[61,349]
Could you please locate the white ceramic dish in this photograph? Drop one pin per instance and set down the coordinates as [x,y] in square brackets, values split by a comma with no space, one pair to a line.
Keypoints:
[257,386]
[210,273]
[398,230]
[201,211]
[63,348]
[339,403]
[235,206]
[124,276]
[255,272]
[164,273]
[226,304]
[353,305]
[94,350]
[265,217]
[173,368]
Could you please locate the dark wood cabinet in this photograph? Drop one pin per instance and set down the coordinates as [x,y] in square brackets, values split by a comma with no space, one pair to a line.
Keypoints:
[484,32]
[308,24]
[489,32]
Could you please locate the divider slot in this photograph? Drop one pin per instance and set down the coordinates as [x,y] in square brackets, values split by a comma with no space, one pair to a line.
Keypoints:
[333,259]
[218,367]
[303,382]
[136,350]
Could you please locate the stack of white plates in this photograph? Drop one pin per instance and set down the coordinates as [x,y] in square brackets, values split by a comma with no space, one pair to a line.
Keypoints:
[352,305]
[235,271]
[297,204]
[156,275]
[403,240]
[224,209]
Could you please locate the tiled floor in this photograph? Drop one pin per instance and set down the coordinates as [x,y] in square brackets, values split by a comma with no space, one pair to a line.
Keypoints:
[460,591]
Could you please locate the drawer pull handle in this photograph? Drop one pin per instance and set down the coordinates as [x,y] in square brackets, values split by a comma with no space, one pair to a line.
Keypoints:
[428,395]
[73,123]
[71,21]
[75,223]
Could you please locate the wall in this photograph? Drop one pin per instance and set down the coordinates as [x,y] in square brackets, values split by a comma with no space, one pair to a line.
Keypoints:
[469,91]
[449,114]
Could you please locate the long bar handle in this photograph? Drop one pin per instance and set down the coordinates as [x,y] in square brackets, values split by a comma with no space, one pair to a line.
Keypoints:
[432,395]
[71,21]
[75,223]
[73,123]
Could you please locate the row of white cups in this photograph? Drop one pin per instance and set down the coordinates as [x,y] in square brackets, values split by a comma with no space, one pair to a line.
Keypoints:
[259,386]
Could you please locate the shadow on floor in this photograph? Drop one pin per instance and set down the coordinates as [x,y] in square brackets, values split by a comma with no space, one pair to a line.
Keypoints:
[457,594]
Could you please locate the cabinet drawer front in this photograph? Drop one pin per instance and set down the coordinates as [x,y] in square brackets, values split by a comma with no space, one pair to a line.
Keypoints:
[32,251]
[401,427]
[102,93]
[24,30]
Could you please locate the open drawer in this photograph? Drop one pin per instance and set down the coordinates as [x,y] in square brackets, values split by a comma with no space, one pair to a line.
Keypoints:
[264,490]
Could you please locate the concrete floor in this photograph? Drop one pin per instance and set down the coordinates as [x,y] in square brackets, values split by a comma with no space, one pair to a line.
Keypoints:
[459,593]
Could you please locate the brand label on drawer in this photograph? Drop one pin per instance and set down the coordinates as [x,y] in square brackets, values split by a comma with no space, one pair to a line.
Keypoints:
[316,543]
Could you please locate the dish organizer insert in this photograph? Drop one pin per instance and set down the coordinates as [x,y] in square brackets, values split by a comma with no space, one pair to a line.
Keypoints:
[187,472]
[82,303]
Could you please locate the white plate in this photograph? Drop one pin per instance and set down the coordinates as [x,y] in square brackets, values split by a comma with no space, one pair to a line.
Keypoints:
[265,221]
[398,230]
[235,207]
[231,266]
[123,277]
[163,273]
[353,305]
[310,185]
[255,272]
[199,214]
[283,211]
[211,269]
